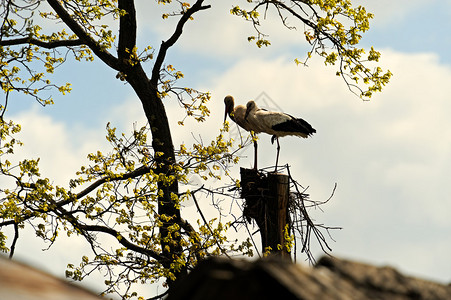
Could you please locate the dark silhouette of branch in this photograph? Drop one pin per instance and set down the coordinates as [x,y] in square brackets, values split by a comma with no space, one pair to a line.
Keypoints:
[85,229]
[165,45]
[43,44]
[104,55]
[16,236]
[160,296]
[135,173]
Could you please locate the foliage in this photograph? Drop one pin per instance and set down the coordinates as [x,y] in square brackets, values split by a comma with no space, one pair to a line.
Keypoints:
[119,200]
[126,203]
[333,28]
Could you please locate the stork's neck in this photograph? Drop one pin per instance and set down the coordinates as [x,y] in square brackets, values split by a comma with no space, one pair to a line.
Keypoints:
[230,110]
[231,115]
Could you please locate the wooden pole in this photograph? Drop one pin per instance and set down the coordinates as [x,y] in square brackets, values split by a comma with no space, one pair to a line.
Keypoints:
[277,213]
[266,201]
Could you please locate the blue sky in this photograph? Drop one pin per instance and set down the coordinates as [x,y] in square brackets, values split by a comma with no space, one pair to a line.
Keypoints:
[421,29]
[391,157]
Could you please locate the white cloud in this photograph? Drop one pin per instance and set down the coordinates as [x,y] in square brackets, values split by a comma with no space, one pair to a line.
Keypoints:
[212,32]
[61,150]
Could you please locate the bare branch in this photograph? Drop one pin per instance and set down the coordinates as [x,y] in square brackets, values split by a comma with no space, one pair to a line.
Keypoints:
[298,210]
[47,45]
[165,45]
[208,225]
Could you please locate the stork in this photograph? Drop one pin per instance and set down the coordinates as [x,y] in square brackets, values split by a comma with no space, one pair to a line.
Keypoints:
[277,124]
[237,114]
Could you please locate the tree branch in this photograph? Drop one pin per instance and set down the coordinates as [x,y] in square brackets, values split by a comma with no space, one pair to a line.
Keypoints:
[160,296]
[165,45]
[47,45]
[138,172]
[104,55]
[114,233]
[307,22]
[120,238]
[16,236]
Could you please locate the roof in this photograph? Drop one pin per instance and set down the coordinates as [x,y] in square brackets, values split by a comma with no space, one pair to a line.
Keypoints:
[271,278]
[19,281]
[330,279]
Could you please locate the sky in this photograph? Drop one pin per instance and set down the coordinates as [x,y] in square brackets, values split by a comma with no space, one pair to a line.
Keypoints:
[390,157]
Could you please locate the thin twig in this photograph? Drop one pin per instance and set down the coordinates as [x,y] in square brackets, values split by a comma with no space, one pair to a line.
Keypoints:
[208,226]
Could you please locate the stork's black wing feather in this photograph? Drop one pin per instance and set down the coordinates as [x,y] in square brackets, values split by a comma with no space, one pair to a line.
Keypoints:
[295,125]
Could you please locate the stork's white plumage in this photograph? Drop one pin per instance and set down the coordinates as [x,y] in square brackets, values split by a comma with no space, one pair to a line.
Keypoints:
[277,124]
[237,114]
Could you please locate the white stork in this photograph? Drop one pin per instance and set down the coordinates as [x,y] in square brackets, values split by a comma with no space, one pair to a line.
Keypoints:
[276,124]
[237,114]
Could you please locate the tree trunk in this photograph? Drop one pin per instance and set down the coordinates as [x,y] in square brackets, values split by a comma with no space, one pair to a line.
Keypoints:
[165,157]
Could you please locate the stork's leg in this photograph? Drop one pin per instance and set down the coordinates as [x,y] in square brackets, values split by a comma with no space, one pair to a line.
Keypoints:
[254,139]
[255,155]
[277,156]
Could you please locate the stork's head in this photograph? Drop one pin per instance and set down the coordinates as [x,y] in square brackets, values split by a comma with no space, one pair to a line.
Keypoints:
[229,104]
[250,106]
